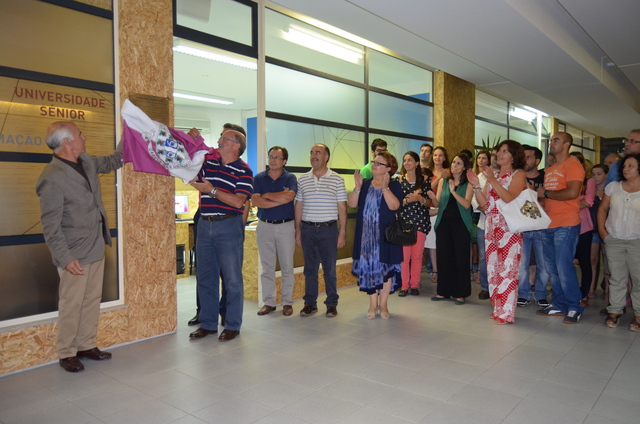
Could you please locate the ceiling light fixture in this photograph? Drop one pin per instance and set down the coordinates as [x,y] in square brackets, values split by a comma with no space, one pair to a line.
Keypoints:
[201,98]
[200,50]
[323,44]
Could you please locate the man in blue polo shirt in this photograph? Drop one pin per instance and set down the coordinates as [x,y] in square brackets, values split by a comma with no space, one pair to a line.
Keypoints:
[225,185]
[273,194]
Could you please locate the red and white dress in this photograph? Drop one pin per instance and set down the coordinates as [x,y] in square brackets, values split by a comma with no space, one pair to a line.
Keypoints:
[503,250]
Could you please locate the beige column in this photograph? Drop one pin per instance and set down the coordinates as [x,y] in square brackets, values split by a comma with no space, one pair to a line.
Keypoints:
[454,113]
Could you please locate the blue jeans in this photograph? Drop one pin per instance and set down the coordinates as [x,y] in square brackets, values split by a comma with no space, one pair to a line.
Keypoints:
[319,244]
[220,251]
[559,249]
[533,239]
[482,262]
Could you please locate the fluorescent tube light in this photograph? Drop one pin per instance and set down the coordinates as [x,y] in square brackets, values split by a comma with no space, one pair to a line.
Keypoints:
[323,44]
[202,98]
[199,50]
[523,114]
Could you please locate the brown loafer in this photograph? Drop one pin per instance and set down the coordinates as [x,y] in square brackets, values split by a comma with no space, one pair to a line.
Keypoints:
[287,310]
[71,364]
[95,354]
[201,332]
[266,309]
[227,335]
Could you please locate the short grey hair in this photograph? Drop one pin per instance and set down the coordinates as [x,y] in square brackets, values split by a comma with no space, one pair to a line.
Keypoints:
[58,132]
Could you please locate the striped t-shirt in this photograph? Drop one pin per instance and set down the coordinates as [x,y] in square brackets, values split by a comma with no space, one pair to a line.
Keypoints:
[235,177]
[320,196]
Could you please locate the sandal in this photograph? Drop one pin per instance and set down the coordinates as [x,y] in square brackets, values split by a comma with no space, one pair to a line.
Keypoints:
[635,325]
[437,298]
[402,293]
[434,277]
[458,301]
[612,321]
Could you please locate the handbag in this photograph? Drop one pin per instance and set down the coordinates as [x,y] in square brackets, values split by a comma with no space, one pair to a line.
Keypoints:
[524,213]
[400,232]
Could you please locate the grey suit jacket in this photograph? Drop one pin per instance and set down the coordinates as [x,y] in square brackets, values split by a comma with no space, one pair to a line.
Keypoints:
[72,212]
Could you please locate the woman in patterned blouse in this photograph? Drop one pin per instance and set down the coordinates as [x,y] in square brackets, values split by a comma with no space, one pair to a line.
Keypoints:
[415,210]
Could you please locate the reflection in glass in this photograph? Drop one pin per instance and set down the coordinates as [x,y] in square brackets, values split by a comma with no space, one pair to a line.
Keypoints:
[346,146]
[401,77]
[300,94]
[403,116]
[215,17]
[491,107]
[296,42]
[488,134]
[398,146]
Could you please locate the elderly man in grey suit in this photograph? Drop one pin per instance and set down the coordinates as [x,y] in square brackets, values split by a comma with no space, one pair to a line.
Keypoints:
[74,223]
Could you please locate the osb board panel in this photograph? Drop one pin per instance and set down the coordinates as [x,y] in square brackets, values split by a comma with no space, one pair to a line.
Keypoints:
[250,265]
[146,67]
[454,113]
[182,237]
[36,345]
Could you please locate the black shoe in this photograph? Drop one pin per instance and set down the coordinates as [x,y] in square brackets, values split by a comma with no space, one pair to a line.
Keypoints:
[402,293]
[308,310]
[332,311]
[522,302]
[201,332]
[71,364]
[194,321]
[543,303]
[483,295]
[415,292]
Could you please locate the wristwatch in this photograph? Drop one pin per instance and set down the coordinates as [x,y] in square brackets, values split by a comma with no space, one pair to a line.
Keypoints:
[546,194]
[213,192]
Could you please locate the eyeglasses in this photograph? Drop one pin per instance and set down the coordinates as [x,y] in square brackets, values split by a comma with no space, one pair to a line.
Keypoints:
[381,150]
[375,162]
[628,140]
[226,139]
[275,158]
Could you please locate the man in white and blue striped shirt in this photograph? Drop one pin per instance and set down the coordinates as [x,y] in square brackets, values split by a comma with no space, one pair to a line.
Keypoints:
[321,204]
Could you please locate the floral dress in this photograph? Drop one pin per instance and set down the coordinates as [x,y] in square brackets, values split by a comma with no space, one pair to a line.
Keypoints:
[503,250]
[372,273]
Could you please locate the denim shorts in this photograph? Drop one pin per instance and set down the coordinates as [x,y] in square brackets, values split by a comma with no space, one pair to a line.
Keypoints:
[596,238]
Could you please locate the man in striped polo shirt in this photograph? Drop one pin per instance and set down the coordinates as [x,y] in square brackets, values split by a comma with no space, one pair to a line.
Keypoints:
[225,185]
[321,204]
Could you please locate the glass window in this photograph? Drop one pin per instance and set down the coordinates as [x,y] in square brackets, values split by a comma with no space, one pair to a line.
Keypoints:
[589,140]
[403,116]
[491,107]
[300,94]
[401,77]
[294,41]
[346,146]
[214,17]
[34,39]
[488,135]
[523,137]
[397,146]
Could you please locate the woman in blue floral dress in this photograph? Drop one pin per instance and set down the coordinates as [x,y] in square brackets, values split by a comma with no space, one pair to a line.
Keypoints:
[376,263]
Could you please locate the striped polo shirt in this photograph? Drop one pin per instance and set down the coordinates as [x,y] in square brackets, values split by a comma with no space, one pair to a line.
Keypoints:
[320,196]
[235,177]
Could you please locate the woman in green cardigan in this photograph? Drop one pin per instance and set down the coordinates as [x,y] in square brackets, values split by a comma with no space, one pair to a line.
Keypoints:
[453,237]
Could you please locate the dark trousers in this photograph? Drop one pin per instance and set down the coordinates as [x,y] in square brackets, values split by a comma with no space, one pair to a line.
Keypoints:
[583,255]
[320,245]
[452,249]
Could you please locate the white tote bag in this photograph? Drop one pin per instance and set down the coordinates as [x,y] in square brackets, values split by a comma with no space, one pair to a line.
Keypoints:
[524,213]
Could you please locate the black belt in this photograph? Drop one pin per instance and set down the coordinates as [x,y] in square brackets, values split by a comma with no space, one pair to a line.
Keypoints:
[216,218]
[321,224]
[279,221]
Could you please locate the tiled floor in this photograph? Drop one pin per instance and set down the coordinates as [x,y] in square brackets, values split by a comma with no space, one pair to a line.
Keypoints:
[432,362]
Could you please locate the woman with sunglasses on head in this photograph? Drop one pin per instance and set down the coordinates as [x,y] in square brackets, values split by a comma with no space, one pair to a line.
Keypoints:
[453,237]
[376,263]
[503,248]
